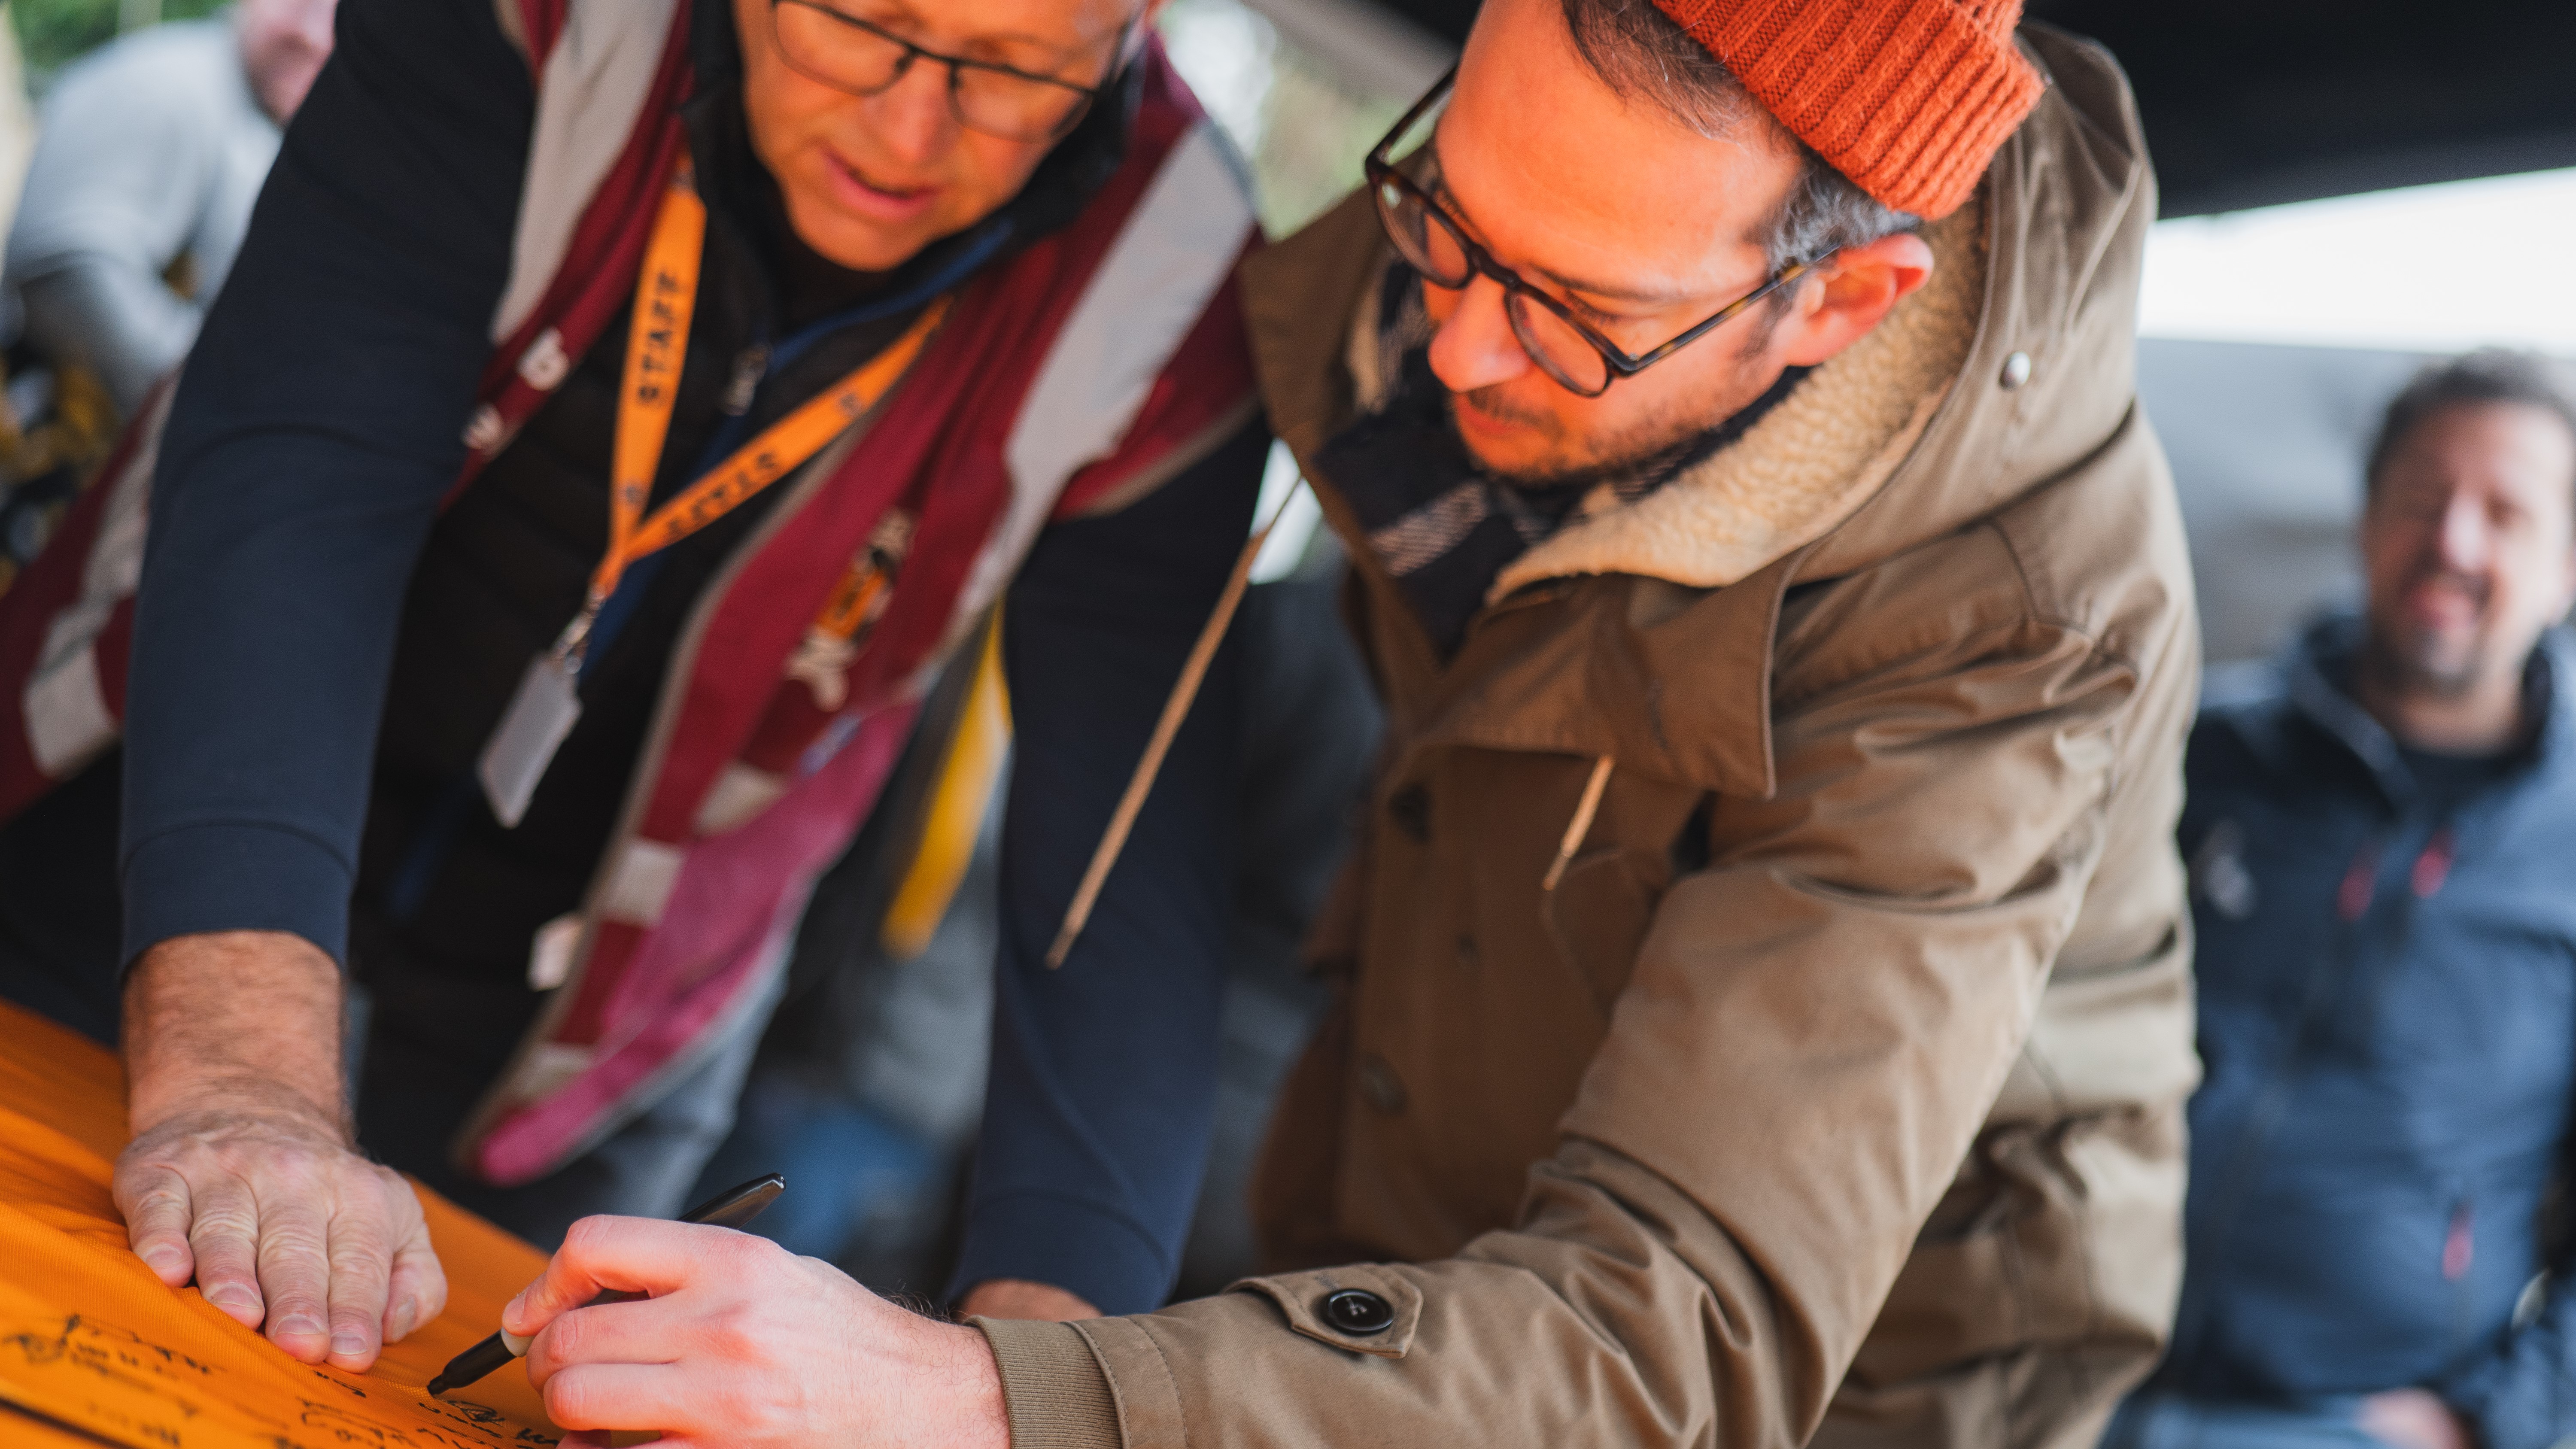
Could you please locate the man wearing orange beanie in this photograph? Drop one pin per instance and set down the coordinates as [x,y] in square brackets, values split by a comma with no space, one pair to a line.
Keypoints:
[1764,1006]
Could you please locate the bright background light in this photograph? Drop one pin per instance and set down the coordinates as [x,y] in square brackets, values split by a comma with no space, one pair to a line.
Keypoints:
[2420,269]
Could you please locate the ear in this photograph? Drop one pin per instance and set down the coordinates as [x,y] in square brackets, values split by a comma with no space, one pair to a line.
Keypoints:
[1858,287]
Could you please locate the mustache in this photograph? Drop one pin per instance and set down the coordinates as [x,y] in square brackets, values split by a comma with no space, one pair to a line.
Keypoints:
[2477,586]
[1496,403]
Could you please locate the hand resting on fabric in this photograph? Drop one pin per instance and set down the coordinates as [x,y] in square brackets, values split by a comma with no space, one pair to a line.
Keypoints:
[242,1174]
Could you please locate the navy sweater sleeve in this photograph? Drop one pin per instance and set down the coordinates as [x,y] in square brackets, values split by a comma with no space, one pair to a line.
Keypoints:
[1103,1084]
[316,428]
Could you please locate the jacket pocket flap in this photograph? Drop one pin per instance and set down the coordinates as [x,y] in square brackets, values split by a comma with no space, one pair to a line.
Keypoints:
[1363,1308]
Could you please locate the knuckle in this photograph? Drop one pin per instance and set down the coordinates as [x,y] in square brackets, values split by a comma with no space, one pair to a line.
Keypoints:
[223,1227]
[137,1176]
[589,1236]
[359,1246]
[357,1298]
[290,1162]
[566,1337]
[162,1207]
[289,1296]
[431,1296]
[743,1253]
[737,1331]
[568,1401]
[292,1238]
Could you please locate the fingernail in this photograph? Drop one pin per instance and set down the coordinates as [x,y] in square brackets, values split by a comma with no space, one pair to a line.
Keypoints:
[299,1324]
[348,1345]
[164,1260]
[234,1300]
[402,1321]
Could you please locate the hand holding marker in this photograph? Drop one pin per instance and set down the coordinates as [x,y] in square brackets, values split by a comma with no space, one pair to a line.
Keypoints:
[729,1209]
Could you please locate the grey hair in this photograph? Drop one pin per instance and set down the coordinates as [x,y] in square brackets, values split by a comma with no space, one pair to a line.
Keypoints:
[2490,375]
[1639,52]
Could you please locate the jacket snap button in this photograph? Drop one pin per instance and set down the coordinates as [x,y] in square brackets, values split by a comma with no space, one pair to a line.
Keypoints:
[1380,1085]
[1411,809]
[1358,1311]
[2016,370]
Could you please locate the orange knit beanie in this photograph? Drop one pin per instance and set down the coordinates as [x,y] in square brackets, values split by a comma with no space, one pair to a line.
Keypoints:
[1908,98]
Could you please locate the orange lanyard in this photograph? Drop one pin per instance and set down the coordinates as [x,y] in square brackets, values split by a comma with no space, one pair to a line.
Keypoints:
[657,342]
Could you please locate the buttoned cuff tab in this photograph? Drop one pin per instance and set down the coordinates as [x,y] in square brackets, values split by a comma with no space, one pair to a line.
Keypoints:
[1103,1257]
[235,877]
[1056,1391]
[1363,1307]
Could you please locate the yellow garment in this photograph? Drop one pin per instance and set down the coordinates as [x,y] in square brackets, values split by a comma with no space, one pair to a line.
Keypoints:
[91,1341]
[957,806]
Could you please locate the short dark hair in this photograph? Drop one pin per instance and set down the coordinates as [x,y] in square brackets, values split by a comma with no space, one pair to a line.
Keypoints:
[1640,52]
[2489,375]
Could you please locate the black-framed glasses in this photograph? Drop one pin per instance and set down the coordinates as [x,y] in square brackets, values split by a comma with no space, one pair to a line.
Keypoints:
[825,43]
[1569,350]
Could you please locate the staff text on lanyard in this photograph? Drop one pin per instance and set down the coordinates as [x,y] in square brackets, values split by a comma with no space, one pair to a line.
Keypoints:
[548,703]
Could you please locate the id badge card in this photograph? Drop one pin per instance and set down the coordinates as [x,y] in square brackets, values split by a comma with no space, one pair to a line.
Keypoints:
[543,711]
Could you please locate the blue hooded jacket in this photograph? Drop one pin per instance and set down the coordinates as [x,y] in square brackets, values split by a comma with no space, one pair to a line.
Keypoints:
[2388,1022]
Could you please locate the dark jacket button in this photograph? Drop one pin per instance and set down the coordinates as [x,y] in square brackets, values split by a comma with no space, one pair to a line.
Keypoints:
[1357,1310]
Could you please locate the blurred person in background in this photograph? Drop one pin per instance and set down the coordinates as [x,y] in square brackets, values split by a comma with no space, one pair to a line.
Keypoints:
[151,151]
[17,117]
[2381,831]
[149,155]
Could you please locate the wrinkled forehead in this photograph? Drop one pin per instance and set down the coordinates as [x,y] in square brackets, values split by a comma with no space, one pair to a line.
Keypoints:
[971,25]
[1559,172]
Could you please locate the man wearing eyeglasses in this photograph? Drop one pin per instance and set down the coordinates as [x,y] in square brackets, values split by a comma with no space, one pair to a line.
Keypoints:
[620,412]
[1764,1010]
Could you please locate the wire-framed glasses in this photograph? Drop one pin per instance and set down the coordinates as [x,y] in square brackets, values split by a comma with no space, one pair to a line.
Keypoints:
[1569,350]
[823,41]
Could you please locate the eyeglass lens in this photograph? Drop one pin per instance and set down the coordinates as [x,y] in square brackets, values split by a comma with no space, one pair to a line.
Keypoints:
[1431,246]
[851,52]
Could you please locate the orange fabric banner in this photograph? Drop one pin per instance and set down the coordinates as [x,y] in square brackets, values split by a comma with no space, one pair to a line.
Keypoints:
[93,1349]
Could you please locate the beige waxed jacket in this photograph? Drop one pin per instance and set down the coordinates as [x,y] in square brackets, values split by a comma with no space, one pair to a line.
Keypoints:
[1830,1087]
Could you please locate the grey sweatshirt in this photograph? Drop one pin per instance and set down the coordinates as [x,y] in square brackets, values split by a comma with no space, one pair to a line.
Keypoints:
[150,150]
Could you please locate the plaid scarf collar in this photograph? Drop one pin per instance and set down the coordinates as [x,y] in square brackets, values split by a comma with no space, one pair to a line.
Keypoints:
[1444,527]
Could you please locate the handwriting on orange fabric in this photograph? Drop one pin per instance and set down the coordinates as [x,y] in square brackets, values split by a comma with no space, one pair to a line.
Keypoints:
[91,1340]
